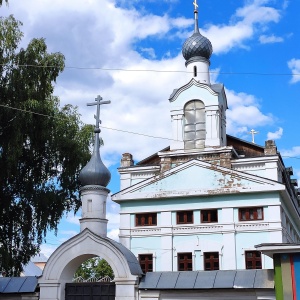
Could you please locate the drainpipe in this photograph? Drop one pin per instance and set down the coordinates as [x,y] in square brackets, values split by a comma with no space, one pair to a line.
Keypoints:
[172,250]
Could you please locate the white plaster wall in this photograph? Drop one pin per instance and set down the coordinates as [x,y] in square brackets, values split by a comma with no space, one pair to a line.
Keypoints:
[229,236]
[203,75]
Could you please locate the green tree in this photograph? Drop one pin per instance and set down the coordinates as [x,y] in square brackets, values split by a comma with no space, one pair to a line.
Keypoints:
[1,2]
[94,267]
[42,147]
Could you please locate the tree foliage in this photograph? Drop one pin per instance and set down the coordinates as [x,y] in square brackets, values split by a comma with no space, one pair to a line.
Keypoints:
[42,147]
[94,267]
[1,2]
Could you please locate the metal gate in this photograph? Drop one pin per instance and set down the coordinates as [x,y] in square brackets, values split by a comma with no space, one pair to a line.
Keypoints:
[90,291]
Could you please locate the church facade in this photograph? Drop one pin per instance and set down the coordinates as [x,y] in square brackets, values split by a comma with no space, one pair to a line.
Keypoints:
[203,203]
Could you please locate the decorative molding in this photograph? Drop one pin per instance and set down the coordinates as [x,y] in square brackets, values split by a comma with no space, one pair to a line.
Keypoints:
[199,228]
[146,231]
[249,166]
[194,82]
[94,187]
[144,174]
[253,226]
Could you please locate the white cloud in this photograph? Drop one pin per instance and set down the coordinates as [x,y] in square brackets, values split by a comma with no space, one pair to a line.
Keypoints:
[285,4]
[295,151]
[243,25]
[89,36]
[294,66]
[244,112]
[275,135]
[225,37]
[114,234]
[47,249]
[149,51]
[265,39]
[258,12]
[73,219]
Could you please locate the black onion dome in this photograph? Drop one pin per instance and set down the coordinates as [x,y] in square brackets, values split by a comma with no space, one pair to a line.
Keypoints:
[197,45]
[95,172]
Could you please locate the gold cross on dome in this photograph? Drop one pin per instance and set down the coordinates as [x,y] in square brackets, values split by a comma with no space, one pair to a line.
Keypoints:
[195,4]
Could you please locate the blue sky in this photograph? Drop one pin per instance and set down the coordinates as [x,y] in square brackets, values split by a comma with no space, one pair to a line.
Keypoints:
[256,56]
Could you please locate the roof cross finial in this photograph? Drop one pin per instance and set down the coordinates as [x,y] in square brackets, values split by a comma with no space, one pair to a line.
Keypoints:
[195,5]
[253,132]
[99,101]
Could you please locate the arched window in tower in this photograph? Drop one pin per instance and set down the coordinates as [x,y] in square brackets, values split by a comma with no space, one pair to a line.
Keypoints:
[194,125]
[195,71]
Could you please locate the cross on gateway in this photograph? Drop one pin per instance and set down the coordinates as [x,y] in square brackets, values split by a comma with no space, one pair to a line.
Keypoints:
[99,101]
[195,4]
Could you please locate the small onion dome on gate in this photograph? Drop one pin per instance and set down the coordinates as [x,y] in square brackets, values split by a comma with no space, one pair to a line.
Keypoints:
[95,172]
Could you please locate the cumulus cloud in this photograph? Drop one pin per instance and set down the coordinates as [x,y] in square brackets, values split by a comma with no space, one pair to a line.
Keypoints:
[275,135]
[244,112]
[294,66]
[149,51]
[243,25]
[89,37]
[73,219]
[271,39]
[257,12]
[48,249]
[295,151]
[113,234]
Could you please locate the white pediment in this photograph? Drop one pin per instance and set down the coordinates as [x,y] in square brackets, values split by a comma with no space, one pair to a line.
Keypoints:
[194,90]
[197,178]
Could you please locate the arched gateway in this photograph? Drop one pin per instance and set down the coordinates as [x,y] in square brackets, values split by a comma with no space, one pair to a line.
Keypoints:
[92,240]
[63,263]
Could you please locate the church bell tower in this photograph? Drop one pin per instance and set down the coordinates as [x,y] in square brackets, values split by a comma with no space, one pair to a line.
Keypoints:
[198,109]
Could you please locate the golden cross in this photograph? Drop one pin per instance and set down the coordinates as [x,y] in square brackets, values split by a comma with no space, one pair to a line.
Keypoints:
[195,4]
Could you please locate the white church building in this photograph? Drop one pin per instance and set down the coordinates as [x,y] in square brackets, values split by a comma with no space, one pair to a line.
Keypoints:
[203,203]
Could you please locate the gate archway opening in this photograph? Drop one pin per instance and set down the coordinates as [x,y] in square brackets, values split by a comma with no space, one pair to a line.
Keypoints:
[63,263]
[94,269]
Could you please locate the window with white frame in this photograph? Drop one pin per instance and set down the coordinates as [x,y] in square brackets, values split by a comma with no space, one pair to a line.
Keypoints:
[194,125]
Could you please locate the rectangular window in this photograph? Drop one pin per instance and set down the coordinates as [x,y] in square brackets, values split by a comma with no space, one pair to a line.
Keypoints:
[253,259]
[185,261]
[251,213]
[147,219]
[146,262]
[211,261]
[185,217]
[209,216]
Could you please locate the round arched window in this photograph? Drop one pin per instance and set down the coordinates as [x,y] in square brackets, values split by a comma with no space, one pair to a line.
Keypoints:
[194,125]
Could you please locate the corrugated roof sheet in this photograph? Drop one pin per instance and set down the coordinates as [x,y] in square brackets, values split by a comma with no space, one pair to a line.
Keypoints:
[14,285]
[222,279]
